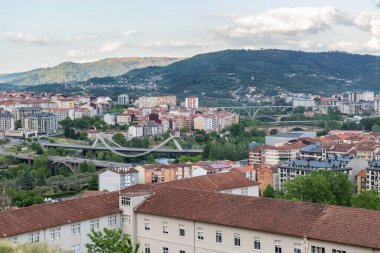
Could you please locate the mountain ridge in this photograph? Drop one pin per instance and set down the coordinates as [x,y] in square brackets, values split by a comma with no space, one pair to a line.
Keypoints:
[230,72]
[68,72]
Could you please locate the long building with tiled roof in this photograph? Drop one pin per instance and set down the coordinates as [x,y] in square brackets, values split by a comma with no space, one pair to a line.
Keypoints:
[171,218]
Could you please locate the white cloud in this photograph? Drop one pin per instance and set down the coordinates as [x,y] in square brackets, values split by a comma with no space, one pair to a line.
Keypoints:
[371,46]
[75,53]
[174,44]
[285,21]
[82,37]
[369,22]
[111,46]
[128,33]
[25,38]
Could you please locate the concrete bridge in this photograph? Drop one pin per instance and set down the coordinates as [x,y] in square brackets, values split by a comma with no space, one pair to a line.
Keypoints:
[253,111]
[71,162]
[288,126]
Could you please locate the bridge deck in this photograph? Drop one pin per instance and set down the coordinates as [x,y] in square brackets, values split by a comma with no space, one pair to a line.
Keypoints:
[136,150]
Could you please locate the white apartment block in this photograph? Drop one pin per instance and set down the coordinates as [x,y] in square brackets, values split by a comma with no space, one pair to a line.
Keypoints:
[114,179]
[135,131]
[191,102]
[123,119]
[373,176]
[123,99]
[7,121]
[44,123]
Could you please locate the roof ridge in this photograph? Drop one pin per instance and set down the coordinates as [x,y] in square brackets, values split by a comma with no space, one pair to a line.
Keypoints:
[323,212]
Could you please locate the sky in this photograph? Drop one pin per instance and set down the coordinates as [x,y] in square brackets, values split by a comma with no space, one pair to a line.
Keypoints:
[44,33]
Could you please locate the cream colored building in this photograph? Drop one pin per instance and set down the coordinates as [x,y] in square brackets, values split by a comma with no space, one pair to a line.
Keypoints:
[174,219]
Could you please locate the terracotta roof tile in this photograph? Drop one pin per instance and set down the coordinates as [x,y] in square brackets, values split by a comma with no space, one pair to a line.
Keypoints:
[38,217]
[215,182]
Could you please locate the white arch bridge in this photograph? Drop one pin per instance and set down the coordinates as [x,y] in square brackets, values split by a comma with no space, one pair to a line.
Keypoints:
[102,143]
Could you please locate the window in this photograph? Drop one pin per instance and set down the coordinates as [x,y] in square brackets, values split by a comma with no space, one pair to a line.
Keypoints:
[338,251]
[55,233]
[297,248]
[126,219]
[146,225]
[75,229]
[165,228]
[112,220]
[147,248]
[76,248]
[277,247]
[244,191]
[237,240]
[165,250]
[94,224]
[257,243]
[181,230]
[125,201]
[315,249]
[34,237]
[200,233]
[13,239]
[218,236]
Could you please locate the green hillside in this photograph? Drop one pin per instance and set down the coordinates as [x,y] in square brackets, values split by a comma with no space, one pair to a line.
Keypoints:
[223,73]
[72,72]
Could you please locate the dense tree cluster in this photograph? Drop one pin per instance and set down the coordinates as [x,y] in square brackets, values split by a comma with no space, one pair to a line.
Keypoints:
[326,187]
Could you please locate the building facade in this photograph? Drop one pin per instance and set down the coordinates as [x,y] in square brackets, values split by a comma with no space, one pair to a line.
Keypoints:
[123,99]
[7,121]
[44,123]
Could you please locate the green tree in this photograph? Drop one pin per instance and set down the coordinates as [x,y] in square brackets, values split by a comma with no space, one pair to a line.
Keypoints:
[369,199]
[87,167]
[26,181]
[323,186]
[111,241]
[18,124]
[269,192]
[119,138]
[375,128]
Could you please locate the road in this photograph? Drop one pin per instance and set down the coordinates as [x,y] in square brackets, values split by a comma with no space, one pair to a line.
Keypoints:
[67,159]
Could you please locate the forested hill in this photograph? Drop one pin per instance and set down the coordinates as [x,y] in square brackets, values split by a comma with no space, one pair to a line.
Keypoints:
[67,72]
[223,73]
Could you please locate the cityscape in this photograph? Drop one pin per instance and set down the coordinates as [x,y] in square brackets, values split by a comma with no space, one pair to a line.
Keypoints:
[139,135]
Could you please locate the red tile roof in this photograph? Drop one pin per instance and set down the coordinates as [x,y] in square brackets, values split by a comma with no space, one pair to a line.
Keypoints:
[215,182]
[261,214]
[353,226]
[38,217]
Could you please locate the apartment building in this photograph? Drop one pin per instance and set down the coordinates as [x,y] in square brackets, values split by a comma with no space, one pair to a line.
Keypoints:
[61,113]
[117,178]
[294,168]
[44,123]
[191,102]
[159,173]
[373,176]
[123,99]
[7,121]
[124,119]
[21,112]
[135,131]
[267,154]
